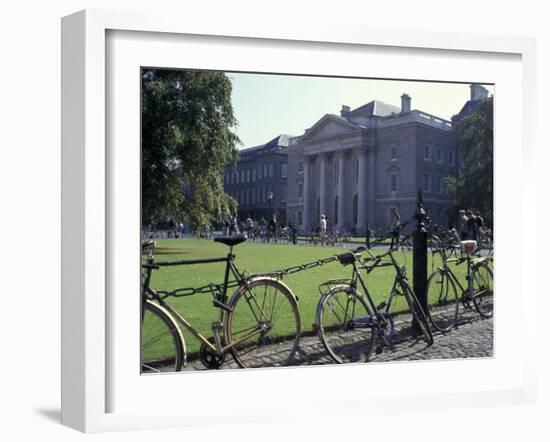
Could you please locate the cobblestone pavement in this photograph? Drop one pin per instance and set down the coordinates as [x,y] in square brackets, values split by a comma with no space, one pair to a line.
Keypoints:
[473,337]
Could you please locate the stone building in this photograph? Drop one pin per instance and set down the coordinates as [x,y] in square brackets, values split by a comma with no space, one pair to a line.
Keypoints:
[259,183]
[358,166]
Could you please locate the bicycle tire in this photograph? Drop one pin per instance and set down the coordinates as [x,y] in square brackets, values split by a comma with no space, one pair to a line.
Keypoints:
[418,313]
[482,281]
[253,307]
[162,343]
[343,342]
[443,313]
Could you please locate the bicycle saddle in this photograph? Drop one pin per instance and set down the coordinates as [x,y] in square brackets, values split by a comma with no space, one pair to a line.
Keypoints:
[347,258]
[230,240]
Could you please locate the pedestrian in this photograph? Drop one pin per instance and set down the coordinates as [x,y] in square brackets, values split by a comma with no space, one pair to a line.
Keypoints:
[233,226]
[249,224]
[272,228]
[323,226]
[471,226]
[461,224]
[480,226]
[263,226]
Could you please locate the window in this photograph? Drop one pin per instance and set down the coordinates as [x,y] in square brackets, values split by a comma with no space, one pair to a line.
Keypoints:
[242,176]
[439,184]
[393,183]
[427,152]
[236,177]
[253,174]
[284,170]
[451,158]
[263,194]
[356,170]
[439,155]
[270,170]
[300,218]
[260,172]
[247,175]
[300,190]
[426,182]
[393,152]
[283,194]
[265,170]
[300,167]
[253,196]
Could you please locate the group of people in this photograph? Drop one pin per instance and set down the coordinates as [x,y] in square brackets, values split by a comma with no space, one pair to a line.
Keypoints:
[263,230]
[469,225]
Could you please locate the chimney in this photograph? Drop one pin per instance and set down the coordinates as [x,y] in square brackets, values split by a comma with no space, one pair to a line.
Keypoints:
[405,103]
[345,111]
[477,92]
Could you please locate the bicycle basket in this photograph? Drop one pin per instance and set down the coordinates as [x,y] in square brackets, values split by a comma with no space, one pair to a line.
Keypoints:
[469,246]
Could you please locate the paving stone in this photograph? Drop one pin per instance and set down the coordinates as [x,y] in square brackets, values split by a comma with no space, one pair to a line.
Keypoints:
[472,338]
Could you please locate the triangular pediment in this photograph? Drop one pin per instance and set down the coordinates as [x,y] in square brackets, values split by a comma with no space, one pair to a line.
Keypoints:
[329,125]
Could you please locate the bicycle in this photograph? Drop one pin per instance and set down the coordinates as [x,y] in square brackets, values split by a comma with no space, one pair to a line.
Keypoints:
[349,322]
[262,311]
[442,286]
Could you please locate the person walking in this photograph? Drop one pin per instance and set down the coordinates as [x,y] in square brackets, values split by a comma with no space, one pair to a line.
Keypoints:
[272,228]
[461,224]
[471,226]
[323,228]
[249,226]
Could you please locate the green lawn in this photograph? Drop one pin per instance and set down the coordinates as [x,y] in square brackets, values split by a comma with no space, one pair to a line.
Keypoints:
[258,257]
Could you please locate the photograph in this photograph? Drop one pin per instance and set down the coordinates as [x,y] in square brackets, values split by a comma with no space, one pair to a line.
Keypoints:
[300,220]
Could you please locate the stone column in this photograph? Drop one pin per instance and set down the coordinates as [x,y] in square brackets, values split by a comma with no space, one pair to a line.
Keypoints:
[322,186]
[341,191]
[362,192]
[306,197]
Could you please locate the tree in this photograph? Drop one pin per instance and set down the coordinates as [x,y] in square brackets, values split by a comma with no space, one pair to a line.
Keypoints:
[187,140]
[473,187]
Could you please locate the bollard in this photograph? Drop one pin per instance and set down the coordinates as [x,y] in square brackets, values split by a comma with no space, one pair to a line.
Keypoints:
[420,256]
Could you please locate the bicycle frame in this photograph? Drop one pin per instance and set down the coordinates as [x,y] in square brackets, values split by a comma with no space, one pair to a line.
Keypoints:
[445,267]
[220,300]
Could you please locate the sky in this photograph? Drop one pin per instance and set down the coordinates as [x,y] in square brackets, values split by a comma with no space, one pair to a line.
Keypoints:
[267,105]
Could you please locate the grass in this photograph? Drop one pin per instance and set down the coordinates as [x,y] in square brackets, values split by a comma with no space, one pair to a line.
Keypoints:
[256,258]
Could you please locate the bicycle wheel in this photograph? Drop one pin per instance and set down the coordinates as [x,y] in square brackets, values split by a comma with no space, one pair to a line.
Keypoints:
[263,327]
[442,301]
[418,314]
[162,344]
[343,340]
[482,281]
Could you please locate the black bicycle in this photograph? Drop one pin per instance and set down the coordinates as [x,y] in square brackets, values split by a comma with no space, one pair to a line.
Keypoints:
[349,322]
[260,318]
[443,298]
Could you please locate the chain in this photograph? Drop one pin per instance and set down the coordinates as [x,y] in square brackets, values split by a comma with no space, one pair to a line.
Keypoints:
[217,288]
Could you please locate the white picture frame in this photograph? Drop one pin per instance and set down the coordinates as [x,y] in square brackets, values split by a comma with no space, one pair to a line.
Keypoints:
[86,214]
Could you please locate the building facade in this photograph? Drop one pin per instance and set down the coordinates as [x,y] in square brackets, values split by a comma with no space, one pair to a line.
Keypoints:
[259,182]
[357,167]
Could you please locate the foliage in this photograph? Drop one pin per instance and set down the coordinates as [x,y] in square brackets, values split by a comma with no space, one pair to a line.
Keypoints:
[187,140]
[473,188]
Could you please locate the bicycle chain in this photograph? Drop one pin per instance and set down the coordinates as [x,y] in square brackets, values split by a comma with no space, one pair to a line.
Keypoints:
[214,288]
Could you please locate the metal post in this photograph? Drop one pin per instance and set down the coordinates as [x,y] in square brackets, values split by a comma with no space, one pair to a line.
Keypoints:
[420,256]
[367,236]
